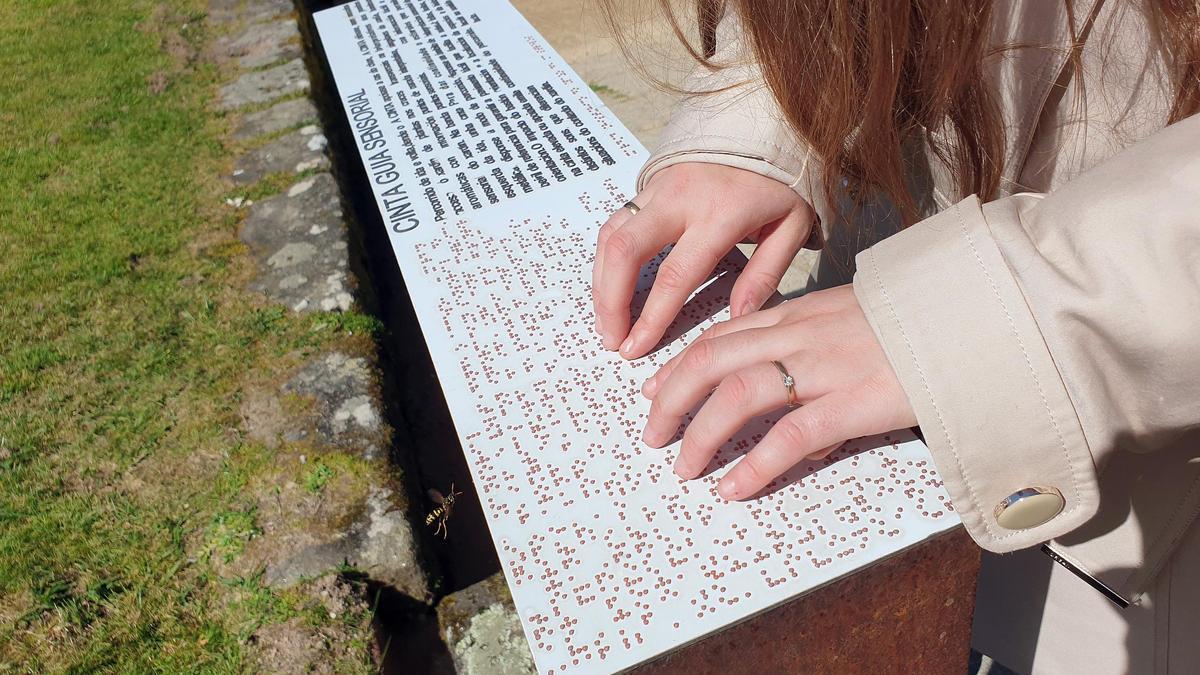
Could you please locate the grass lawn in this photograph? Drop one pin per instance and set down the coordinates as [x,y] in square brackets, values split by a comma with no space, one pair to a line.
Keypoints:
[125,483]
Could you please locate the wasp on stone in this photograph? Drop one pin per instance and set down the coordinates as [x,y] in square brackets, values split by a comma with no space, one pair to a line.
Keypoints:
[441,513]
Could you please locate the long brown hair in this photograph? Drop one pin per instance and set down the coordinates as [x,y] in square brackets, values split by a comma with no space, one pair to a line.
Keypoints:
[857,78]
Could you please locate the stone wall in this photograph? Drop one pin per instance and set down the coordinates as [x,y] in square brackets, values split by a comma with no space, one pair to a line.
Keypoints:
[307,224]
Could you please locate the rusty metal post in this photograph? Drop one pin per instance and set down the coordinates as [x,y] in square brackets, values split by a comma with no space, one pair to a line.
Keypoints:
[908,613]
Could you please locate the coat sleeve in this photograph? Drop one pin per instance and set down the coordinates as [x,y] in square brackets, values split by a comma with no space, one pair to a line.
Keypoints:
[733,119]
[1038,334]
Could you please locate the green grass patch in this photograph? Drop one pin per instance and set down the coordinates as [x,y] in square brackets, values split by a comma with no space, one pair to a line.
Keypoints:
[605,90]
[318,476]
[228,533]
[348,323]
[123,347]
[269,186]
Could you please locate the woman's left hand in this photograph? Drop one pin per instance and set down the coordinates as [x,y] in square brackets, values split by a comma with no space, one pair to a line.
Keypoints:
[843,382]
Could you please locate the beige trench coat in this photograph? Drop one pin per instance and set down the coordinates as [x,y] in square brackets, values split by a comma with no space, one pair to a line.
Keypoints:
[1049,338]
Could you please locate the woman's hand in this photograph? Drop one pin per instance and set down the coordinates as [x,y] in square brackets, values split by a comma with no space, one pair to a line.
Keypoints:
[843,382]
[705,210]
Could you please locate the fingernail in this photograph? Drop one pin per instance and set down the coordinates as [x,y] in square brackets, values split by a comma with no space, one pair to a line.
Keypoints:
[627,347]
[681,469]
[649,436]
[727,488]
[650,387]
[610,340]
[657,437]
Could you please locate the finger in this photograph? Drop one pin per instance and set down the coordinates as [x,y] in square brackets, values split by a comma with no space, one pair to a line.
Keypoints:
[830,419]
[757,320]
[688,266]
[705,366]
[740,398]
[610,227]
[638,240]
[759,280]
[615,221]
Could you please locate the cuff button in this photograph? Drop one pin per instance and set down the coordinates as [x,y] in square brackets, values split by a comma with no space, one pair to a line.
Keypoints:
[1028,508]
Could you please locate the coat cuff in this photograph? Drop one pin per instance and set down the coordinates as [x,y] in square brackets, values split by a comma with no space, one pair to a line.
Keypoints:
[976,369]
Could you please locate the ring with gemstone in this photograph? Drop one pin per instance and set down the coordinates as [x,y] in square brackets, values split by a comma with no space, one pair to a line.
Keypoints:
[790,383]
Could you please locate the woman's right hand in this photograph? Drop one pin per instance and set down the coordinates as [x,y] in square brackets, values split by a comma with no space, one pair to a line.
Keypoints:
[705,210]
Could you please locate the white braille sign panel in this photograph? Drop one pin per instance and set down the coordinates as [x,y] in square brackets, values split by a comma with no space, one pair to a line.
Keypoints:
[494,166]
